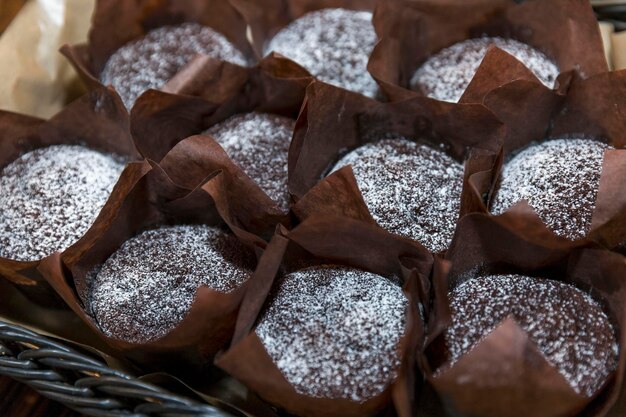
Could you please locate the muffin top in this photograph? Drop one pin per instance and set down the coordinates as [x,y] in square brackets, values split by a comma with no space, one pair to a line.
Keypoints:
[145,289]
[559,178]
[446,74]
[333,45]
[149,62]
[410,189]
[259,144]
[334,331]
[51,196]
[567,325]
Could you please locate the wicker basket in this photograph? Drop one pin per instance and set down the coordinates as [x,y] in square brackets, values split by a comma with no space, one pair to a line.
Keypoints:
[613,12]
[84,383]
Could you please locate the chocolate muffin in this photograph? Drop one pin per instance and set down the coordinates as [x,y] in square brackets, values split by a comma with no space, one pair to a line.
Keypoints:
[259,144]
[51,196]
[410,189]
[559,179]
[334,332]
[149,62]
[145,289]
[446,74]
[334,45]
[567,325]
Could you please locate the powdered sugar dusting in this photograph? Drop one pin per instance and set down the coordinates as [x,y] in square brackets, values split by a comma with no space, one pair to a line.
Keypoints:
[149,62]
[50,197]
[567,325]
[559,179]
[147,287]
[410,189]
[334,45]
[259,143]
[334,332]
[446,74]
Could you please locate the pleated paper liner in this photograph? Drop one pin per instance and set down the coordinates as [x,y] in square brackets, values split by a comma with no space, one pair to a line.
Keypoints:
[151,201]
[591,108]
[334,121]
[97,120]
[410,31]
[208,91]
[527,383]
[117,22]
[596,107]
[267,17]
[241,202]
[203,94]
[328,239]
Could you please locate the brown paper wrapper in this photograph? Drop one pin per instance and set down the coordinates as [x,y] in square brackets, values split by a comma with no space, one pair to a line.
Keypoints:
[411,31]
[527,383]
[596,107]
[151,200]
[241,202]
[327,239]
[267,17]
[97,120]
[208,91]
[467,132]
[117,22]
[593,107]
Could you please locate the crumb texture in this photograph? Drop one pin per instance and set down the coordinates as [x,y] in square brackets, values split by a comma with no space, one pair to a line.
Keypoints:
[559,178]
[334,45]
[446,74]
[145,289]
[334,332]
[51,196]
[567,325]
[150,62]
[411,189]
[259,144]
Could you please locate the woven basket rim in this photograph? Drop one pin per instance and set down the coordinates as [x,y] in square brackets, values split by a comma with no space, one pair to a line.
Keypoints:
[85,383]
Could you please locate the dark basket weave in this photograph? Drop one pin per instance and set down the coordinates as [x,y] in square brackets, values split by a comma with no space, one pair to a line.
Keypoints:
[614,13]
[85,384]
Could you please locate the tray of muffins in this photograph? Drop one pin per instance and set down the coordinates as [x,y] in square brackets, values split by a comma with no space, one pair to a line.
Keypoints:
[323,208]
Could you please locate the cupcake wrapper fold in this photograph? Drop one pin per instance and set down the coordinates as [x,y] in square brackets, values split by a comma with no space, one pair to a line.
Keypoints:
[208,91]
[337,194]
[97,120]
[203,94]
[327,239]
[117,22]
[148,200]
[513,93]
[267,17]
[464,130]
[591,107]
[505,373]
[242,204]
[410,31]
[594,106]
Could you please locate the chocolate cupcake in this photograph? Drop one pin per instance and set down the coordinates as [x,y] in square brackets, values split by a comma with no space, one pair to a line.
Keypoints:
[334,332]
[149,62]
[446,74]
[147,287]
[333,45]
[259,143]
[410,189]
[567,325]
[559,179]
[51,196]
